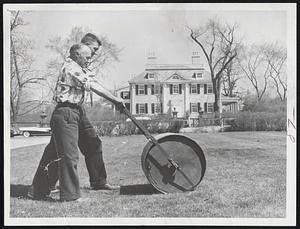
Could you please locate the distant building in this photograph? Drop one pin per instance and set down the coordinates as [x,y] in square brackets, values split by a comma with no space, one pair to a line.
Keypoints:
[179,90]
[124,93]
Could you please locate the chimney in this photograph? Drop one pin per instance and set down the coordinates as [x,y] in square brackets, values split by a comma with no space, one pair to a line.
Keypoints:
[196,58]
[151,58]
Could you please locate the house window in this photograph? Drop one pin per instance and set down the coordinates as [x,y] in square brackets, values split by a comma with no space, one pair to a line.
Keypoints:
[157,107]
[199,75]
[210,107]
[125,95]
[127,105]
[151,75]
[141,90]
[209,89]
[142,108]
[155,89]
[194,107]
[175,89]
[194,88]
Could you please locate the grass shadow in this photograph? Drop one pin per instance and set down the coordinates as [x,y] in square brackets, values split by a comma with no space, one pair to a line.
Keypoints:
[18,190]
[138,189]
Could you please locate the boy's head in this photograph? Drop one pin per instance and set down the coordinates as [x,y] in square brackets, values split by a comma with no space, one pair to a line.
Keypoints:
[92,41]
[81,54]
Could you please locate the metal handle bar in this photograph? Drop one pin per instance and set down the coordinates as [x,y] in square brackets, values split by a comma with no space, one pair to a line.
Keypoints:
[144,131]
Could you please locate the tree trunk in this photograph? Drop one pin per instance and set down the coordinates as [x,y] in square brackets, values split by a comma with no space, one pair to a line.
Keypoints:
[17,105]
[217,92]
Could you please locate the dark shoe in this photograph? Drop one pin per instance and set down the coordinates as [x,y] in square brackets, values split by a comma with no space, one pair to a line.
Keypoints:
[106,187]
[32,195]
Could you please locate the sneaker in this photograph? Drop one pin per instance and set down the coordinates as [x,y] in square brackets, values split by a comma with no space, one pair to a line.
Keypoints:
[30,192]
[83,199]
[79,200]
[54,189]
[106,187]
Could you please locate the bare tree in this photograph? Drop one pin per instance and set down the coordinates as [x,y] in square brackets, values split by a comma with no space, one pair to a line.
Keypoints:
[107,54]
[220,46]
[22,75]
[256,69]
[230,77]
[276,57]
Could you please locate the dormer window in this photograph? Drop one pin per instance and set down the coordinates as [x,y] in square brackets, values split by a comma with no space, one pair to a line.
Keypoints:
[197,75]
[151,75]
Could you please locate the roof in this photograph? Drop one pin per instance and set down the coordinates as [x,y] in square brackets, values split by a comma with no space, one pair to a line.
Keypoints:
[151,67]
[172,73]
[122,88]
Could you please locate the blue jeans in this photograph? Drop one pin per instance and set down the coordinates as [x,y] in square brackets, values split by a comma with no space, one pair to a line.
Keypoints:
[70,129]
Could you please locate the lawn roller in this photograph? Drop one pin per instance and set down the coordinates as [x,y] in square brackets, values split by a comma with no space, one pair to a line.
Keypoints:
[171,162]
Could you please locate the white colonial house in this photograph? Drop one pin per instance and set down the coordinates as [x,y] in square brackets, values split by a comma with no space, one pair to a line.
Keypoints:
[173,89]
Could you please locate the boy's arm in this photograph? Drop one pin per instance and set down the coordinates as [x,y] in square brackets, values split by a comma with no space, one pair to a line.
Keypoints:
[90,83]
[103,92]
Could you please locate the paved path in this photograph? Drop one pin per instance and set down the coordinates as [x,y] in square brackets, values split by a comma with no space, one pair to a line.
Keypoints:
[20,141]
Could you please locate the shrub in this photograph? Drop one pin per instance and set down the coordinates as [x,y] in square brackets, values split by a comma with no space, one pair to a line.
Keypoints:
[105,128]
[259,121]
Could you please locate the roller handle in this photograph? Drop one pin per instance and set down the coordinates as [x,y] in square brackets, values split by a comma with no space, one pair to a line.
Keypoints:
[149,136]
[144,131]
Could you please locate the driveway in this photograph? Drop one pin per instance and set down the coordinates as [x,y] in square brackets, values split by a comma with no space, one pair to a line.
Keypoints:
[20,141]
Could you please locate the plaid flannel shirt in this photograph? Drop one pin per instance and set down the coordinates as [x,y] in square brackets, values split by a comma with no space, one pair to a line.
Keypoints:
[72,83]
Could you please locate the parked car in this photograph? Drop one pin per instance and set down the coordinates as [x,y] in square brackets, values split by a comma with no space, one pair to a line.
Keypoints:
[139,118]
[35,131]
[14,131]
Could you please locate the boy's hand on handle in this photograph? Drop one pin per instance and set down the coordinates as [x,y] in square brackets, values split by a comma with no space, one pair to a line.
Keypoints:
[120,105]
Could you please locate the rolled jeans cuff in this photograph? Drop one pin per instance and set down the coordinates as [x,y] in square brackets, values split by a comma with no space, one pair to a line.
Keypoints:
[98,183]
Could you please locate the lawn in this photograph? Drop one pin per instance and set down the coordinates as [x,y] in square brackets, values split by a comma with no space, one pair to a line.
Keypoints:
[245,177]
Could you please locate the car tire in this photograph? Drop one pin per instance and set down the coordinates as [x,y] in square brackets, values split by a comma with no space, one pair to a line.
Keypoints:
[26,134]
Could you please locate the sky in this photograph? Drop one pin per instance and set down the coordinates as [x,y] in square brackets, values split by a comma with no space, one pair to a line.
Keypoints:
[138,31]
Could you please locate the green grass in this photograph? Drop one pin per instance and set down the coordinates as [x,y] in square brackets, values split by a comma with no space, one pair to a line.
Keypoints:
[245,177]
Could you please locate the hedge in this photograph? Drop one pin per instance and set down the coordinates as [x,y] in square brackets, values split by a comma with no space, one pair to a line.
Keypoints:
[259,121]
[115,128]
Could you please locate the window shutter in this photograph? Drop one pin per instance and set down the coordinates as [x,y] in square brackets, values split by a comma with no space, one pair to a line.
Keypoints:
[190,88]
[190,107]
[146,108]
[152,89]
[161,108]
[161,89]
[129,95]
[146,76]
[152,108]
[171,89]
[205,88]
[137,108]
[180,88]
[122,95]
[146,89]
[198,88]
[199,108]
[136,89]
[205,107]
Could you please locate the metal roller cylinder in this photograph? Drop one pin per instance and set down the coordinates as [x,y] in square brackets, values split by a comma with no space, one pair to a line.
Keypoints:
[179,171]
